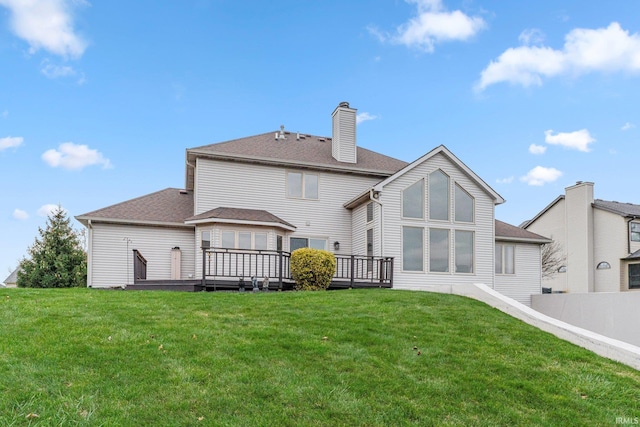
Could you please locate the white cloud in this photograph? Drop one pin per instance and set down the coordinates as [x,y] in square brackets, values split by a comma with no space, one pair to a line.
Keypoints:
[608,49]
[577,140]
[10,141]
[48,209]
[537,149]
[433,24]
[540,175]
[628,126]
[364,116]
[73,156]
[20,214]
[46,24]
[508,180]
[532,36]
[54,71]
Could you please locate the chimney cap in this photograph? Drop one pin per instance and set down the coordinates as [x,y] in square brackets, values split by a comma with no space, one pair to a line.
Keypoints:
[344,104]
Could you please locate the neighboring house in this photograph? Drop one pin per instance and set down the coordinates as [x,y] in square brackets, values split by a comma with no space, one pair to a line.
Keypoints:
[280,191]
[12,280]
[599,240]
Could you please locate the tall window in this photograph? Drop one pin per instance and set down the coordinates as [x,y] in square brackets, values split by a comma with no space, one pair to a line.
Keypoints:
[302,185]
[413,200]
[463,205]
[505,259]
[369,211]
[438,250]
[439,196]
[370,249]
[305,242]
[464,251]
[412,248]
[635,232]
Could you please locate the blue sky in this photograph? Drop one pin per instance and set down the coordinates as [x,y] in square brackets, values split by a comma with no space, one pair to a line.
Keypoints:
[99,100]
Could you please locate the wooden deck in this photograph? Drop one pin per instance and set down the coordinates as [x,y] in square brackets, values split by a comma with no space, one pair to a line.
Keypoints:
[232,270]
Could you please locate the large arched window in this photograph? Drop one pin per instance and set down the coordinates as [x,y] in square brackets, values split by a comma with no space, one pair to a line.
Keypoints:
[463,205]
[413,201]
[439,196]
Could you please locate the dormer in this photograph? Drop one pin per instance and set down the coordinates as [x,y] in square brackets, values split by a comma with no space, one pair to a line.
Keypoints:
[343,144]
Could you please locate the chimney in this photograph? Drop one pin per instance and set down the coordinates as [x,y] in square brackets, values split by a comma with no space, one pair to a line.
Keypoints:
[579,221]
[343,143]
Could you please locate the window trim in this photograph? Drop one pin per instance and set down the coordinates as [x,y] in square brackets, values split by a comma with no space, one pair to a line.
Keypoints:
[629,276]
[371,208]
[236,239]
[303,191]
[308,239]
[423,201]
[632,232]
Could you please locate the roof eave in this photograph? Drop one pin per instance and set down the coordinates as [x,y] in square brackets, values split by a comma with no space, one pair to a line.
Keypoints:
[85,221]
[522,240]
[240,221]
[280,162]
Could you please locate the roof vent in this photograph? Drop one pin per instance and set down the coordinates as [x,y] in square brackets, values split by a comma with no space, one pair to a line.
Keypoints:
[184,192]
[281,132]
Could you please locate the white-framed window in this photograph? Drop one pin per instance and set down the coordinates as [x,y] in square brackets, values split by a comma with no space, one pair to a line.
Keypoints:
[464,244]
[307,242]
[635,231]
[369,212]
[412,249]
[438,250]
[302,185]
[245,240]
[464,205]
[439,196]
[505,257]
[413,200]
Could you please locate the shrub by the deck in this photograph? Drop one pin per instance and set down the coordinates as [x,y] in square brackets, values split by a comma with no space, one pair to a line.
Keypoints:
[312,269]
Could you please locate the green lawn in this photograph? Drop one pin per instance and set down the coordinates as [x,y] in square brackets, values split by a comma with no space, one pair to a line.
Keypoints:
[87,357]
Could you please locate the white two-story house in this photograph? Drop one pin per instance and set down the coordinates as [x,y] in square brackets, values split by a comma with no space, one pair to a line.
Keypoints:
[281,191]
[599,241]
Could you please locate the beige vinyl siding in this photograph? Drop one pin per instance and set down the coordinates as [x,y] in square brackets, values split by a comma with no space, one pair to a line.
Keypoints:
[552,225]
[360,227]
[483,227]
[527,279]
[112,263]
[253,186]
[610,245]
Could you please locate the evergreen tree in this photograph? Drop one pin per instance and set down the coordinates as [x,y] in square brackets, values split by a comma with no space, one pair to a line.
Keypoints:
[57,259]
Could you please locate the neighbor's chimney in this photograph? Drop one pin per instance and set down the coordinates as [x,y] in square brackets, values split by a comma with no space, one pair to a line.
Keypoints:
[343,143]
[579,220]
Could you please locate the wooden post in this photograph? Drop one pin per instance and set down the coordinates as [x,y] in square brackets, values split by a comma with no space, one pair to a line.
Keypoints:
[353,270]
[279,270]
[204,267]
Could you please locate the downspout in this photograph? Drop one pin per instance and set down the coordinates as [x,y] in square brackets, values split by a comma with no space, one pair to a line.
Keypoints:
[89,254]
[375,200]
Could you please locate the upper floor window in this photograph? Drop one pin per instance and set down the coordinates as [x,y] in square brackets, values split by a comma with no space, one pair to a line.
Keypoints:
[635,232]
[439,196]
[413,200]
[463,205]
[302,185]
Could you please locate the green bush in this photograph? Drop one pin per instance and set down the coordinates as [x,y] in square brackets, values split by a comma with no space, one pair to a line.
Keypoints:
[312,269]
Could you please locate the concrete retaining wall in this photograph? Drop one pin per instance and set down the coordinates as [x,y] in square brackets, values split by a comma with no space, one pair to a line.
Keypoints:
[615,315]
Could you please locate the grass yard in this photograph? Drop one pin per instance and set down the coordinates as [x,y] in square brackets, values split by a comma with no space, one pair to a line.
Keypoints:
[112,358]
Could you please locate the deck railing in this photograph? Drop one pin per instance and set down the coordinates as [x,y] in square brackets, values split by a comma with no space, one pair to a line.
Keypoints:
[351,270]
[139,266]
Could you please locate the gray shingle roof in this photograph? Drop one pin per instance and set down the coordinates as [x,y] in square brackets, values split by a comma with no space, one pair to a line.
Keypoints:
[168,206]
[13,278]
[511,232]
[309,151]
[237,214]
[624,209]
